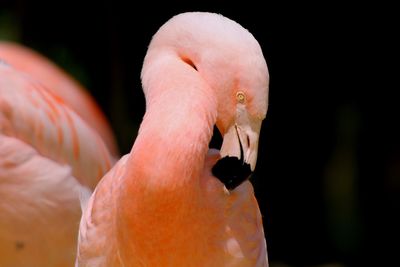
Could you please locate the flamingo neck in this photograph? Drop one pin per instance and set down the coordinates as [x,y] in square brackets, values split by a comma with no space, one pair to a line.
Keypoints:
[162,182]
[173,138]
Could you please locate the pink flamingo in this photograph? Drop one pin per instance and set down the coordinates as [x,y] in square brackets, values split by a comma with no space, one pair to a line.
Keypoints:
[161,205]
[48,155]
[61,84]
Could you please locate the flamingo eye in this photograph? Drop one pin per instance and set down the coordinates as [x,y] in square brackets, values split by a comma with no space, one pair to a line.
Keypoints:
[240,97]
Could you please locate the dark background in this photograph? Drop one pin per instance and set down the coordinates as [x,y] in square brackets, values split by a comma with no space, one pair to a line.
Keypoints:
[328,173]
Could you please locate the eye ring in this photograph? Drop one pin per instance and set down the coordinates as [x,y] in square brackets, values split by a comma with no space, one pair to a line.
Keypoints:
[240,97]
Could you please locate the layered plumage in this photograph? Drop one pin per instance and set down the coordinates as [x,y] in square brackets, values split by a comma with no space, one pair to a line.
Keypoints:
[61,84]
[49,155]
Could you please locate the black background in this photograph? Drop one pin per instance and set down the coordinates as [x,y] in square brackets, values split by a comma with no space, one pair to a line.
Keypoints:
[328,173]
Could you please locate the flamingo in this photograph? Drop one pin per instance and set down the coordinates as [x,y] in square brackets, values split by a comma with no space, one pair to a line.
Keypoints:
[61,84]
[49,156]
[172,201]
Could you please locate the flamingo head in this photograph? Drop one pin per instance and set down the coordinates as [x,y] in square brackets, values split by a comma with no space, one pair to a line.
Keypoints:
[230,61]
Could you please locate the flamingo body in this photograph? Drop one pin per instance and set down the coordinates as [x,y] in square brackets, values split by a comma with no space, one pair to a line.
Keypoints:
[161,205]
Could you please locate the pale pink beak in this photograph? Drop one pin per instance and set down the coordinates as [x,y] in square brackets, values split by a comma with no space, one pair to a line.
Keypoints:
[241,138]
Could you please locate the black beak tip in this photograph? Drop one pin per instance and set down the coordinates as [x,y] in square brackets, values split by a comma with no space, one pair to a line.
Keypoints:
[231,171]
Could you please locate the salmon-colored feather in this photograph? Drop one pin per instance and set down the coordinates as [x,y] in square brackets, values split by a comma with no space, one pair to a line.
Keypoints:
[161,205]
[48,155]
[63,87]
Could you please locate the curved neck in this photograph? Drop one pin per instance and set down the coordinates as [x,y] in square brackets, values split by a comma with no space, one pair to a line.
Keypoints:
[177,127]
[163,172]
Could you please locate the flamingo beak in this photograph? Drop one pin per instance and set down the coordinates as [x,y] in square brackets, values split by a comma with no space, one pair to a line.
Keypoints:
[239,149]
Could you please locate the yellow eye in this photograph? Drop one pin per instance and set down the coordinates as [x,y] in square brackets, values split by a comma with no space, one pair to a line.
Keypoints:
[240,97]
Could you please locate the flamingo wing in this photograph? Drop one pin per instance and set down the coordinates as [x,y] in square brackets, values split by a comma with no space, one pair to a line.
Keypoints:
[48,155]
[39,207]
[31,113]
[61,84]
